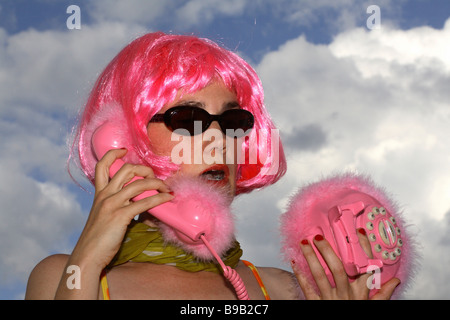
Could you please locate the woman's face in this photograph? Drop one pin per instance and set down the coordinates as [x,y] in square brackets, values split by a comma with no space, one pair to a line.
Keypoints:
[204,155]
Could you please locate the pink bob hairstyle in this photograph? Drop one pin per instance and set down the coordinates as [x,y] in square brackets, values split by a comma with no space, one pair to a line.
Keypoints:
[147,75]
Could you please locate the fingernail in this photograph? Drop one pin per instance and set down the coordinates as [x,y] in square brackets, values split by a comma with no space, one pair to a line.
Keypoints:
[304,242]
[293,266]
[318,237]
[362,231]
[171,193]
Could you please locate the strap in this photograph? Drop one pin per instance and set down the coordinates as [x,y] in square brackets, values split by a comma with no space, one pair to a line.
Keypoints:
[258,278]
[104,285]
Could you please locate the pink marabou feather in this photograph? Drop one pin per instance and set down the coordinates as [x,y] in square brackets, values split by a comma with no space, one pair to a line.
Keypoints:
[216,202]
[294,222]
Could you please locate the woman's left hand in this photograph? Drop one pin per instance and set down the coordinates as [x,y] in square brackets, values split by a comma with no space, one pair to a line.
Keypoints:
[344,289]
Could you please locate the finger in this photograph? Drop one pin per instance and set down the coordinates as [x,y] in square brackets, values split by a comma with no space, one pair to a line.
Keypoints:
[362,288]
[334,264]
[140,187]
[127,173]
[135,208]
[365,243]
[307,288]
[387,290]
[316,268]
[102,168]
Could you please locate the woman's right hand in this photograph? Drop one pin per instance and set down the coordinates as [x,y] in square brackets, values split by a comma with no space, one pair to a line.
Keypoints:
[112,212]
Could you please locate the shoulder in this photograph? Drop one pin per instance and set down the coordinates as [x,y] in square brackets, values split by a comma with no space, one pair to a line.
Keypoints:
[45,277]
[280,284]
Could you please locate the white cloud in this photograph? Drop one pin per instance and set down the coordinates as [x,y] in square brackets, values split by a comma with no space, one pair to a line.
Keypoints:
[38,218]
[176,14]
[132,11]
[334,16]
[51,69]
[432,280]
[375,52]
[201,12]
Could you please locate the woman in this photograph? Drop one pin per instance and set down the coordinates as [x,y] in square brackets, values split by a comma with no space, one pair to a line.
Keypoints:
[156,85]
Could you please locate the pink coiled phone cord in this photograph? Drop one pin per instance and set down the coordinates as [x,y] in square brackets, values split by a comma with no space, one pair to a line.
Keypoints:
[229,273]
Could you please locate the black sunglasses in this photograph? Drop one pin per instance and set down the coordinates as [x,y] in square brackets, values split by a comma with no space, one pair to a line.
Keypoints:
[184,117]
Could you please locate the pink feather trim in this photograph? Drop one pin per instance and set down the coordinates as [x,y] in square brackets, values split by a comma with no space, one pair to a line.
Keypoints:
[214,201]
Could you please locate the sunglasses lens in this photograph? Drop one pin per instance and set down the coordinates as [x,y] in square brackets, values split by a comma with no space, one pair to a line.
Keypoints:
[237,122]
[188,118]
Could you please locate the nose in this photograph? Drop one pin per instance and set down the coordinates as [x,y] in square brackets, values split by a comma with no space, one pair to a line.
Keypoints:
[214,144]
[214,125]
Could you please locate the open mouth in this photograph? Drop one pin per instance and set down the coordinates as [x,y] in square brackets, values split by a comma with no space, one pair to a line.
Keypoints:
[217,173]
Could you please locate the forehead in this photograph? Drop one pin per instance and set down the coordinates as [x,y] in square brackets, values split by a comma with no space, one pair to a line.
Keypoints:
[214,96]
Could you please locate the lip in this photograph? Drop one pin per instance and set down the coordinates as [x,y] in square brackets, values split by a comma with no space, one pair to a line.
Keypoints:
[218,167]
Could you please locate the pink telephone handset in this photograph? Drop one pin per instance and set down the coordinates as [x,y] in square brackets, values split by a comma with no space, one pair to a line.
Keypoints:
[189,222]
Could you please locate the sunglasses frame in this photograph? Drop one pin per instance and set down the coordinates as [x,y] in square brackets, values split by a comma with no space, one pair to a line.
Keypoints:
[166,117]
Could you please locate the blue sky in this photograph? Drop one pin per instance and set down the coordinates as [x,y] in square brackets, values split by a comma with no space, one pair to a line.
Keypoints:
[372,101]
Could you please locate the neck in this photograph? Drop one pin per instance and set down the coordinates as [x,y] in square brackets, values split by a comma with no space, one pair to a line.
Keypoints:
[148,219]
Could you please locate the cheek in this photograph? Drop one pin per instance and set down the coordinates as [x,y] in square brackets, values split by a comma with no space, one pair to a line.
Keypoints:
[160,139]
[165,143]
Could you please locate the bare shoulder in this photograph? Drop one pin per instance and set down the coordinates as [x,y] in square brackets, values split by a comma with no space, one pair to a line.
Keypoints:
[280,284]
[44,279]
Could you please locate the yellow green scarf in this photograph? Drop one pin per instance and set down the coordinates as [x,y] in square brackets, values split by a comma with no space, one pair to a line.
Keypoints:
[143,243]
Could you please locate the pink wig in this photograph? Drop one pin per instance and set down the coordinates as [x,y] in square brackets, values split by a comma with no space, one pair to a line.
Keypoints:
[147,75]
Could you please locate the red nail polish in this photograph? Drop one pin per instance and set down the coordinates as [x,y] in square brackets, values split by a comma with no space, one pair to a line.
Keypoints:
[304,242]
[318,237]
[362,231]
[172,193]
